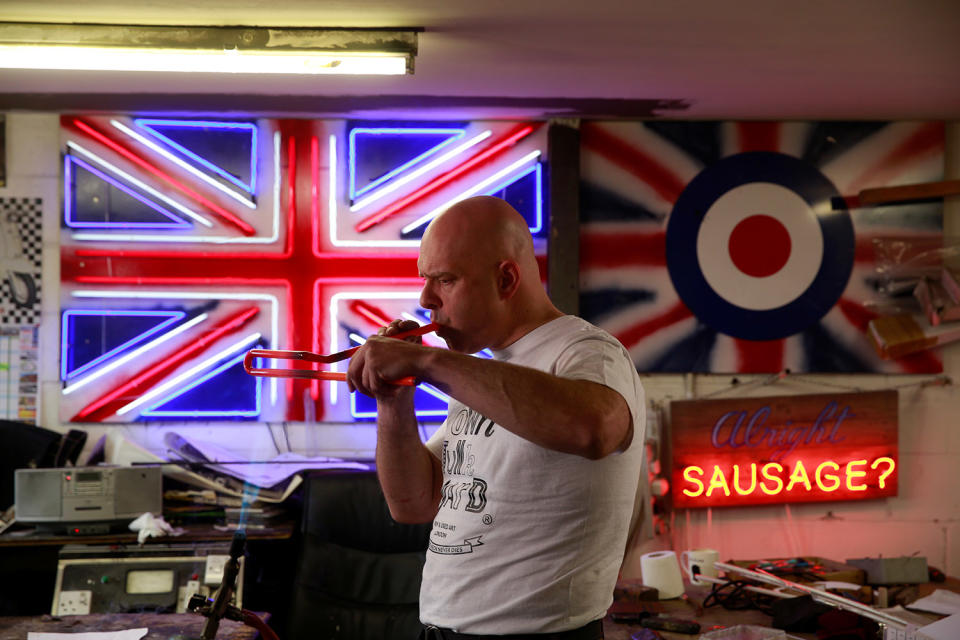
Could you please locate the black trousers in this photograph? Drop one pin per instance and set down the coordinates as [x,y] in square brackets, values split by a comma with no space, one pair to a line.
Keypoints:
[590,631]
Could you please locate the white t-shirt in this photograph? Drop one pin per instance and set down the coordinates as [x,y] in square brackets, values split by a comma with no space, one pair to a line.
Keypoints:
[529,540]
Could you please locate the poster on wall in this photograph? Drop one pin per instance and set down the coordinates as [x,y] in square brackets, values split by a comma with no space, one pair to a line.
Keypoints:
[781,449]
[185,243]
[19,367]
[21,251]
[728,246]
[3,150]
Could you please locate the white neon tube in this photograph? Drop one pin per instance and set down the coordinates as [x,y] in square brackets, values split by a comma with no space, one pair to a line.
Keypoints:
[134,354]
[480,186]
[186,375]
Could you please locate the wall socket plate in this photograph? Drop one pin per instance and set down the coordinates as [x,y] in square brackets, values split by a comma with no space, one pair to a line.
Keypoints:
[216,565]
[74,603]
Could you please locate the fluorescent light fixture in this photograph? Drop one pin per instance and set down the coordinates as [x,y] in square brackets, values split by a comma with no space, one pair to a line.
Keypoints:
[253,50]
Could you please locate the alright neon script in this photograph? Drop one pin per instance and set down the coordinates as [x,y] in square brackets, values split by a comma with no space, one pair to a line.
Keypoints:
[735,429]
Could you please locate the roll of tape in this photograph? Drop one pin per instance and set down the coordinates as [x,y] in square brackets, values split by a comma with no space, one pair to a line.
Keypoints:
[661,569]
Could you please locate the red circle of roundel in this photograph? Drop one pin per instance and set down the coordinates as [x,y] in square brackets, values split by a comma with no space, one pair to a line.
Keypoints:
[759,245]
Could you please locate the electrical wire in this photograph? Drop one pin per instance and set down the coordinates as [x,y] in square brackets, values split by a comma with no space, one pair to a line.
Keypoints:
[736,595]
[273,438]
[936,381]
[253,620]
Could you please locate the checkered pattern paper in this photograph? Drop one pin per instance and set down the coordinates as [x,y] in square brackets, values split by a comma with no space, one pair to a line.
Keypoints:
[21,248]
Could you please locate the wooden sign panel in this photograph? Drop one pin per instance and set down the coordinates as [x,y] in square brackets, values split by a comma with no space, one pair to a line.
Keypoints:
[778,449]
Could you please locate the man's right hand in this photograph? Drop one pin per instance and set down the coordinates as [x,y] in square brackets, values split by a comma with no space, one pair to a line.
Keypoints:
[379,361]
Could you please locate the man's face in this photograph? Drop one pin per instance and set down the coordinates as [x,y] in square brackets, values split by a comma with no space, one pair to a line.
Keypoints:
[459,290]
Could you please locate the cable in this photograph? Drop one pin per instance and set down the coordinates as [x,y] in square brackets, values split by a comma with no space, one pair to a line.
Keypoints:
[735,595]
[273,438]
[736,384]
[251,619]
[786,374]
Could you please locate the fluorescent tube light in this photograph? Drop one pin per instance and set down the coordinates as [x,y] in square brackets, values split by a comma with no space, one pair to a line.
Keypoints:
[254,50]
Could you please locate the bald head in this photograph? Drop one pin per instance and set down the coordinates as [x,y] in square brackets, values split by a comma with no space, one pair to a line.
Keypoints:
[488,230]
[482,280]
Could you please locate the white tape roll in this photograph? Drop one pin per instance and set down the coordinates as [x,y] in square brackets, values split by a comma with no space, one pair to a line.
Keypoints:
[661,570]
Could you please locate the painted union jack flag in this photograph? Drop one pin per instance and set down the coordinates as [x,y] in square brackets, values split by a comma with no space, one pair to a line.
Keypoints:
[187,242]
[728,247]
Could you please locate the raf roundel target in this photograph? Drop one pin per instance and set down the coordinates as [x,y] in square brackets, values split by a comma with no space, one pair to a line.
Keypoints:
[754,248]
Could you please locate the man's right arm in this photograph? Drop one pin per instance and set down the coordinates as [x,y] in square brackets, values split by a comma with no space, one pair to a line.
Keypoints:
[410,475]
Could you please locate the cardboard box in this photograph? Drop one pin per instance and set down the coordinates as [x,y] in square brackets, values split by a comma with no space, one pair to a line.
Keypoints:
[903,570]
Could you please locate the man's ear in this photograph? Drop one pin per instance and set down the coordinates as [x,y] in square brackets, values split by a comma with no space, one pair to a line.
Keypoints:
[508,278]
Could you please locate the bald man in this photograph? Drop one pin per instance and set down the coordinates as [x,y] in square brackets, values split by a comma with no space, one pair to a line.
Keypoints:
[530,481]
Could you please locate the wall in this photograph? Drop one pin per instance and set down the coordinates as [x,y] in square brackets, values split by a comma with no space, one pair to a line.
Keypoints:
[924,519]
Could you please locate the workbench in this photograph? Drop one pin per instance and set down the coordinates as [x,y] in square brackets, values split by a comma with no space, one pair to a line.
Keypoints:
[716,617]
[162,626]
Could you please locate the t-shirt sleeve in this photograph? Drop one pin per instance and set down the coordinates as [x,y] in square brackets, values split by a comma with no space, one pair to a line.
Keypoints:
[604,362]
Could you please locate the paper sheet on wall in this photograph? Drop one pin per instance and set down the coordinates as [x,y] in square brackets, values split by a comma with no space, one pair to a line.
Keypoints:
[21,254]
[18,373]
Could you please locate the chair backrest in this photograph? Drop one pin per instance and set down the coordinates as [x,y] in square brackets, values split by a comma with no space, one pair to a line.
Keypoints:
[27,446]
[358,574]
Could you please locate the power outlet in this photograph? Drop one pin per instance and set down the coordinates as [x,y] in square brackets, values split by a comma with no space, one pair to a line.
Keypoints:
[216,565]
[74,603]
[185,593]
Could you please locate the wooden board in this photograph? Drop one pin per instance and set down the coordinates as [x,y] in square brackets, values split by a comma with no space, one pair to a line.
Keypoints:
[809,448]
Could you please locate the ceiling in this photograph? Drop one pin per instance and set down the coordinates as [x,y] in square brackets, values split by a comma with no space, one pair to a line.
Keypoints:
[681,59]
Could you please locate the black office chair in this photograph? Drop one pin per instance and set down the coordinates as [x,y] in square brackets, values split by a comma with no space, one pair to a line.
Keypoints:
[359,571]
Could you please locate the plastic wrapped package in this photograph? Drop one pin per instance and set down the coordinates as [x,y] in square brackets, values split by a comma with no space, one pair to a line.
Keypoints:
[745,632]
[902,262]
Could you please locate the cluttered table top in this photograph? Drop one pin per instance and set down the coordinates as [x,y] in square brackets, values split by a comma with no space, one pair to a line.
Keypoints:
[160,626]
[714,620]
[619,625]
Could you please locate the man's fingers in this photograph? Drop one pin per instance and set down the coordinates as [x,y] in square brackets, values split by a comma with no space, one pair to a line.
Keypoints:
[392,328]
[355,372]
[397,326]
[370,381]
[378,362]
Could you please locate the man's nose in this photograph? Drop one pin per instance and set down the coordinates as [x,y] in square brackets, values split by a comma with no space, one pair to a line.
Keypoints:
[427,299]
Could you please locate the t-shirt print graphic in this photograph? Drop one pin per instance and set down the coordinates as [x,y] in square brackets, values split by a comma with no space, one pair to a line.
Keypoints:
[462,490]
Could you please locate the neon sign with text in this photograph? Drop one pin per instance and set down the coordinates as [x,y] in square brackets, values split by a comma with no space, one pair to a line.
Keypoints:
[784,449]
[775,479]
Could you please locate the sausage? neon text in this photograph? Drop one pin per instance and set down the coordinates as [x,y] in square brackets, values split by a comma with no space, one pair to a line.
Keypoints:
[828,476]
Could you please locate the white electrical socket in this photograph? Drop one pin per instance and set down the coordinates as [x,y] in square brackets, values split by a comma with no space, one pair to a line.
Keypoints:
[74,603]
[216,565]
[187,592]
